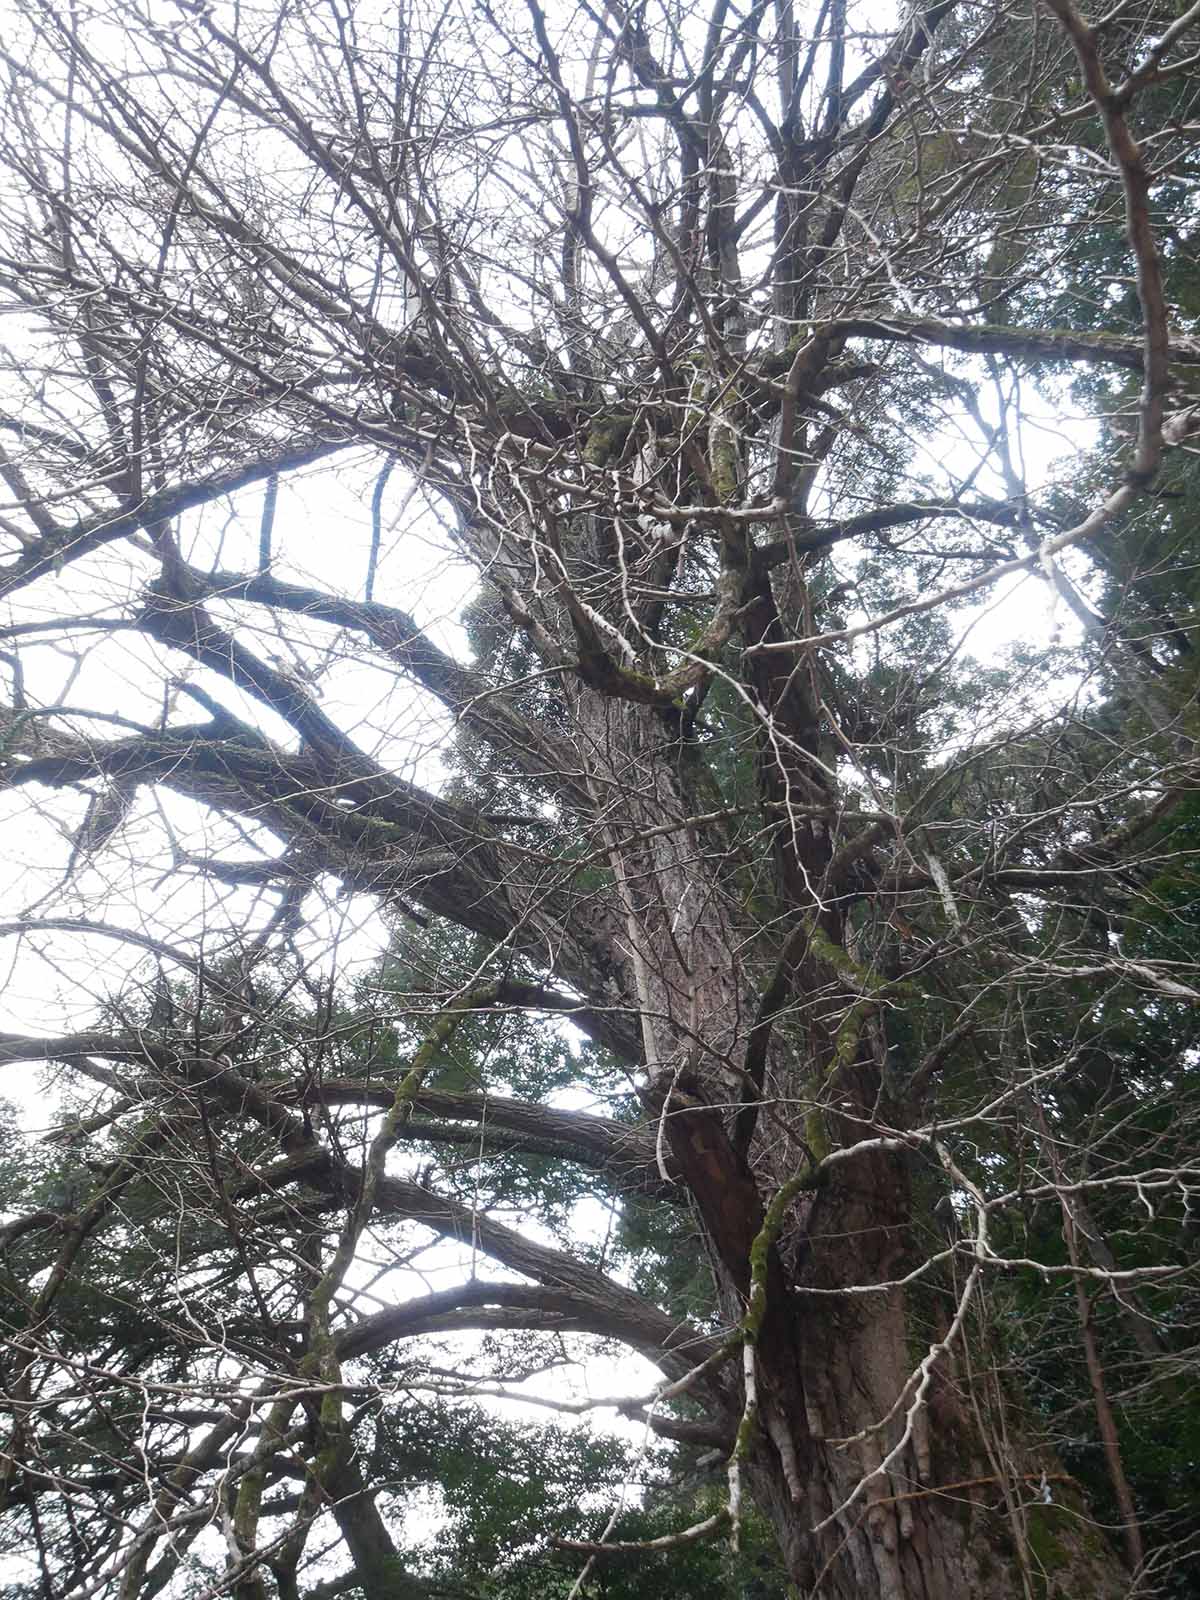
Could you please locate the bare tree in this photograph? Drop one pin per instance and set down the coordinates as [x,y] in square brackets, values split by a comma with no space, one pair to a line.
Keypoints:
[715,347]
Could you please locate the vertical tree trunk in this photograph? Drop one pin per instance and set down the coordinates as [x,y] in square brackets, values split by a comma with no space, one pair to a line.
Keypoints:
[945,1513]
[870,1460]
[897,1488]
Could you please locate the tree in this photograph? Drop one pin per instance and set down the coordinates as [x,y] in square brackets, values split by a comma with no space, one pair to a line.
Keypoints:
[713,348]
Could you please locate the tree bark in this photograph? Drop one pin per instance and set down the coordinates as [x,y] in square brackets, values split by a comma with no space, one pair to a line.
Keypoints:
[871,1458]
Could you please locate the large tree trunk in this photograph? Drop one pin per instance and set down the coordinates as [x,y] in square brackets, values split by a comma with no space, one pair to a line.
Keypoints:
[879,1454]
[887,1461]
[916,1495]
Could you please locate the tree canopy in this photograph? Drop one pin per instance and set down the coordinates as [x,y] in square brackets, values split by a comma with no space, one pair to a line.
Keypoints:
[598,757]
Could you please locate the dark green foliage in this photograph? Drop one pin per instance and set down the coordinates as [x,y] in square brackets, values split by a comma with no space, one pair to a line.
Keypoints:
[499,1492]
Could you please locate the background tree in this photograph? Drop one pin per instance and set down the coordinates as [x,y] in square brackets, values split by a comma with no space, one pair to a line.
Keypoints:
[716,353]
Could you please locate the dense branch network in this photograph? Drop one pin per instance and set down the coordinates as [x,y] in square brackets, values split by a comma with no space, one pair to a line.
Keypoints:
[696,368]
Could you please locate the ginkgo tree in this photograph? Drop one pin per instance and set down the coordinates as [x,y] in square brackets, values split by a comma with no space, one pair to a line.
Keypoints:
[748,363]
